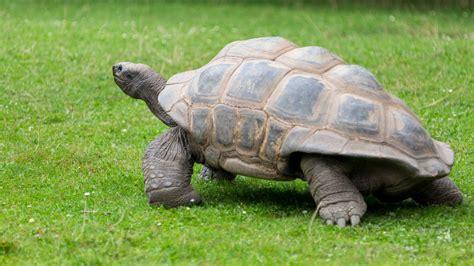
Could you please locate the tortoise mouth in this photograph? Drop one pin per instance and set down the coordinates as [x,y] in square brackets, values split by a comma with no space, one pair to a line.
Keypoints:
[117,79]
[117,71]
[120,82]
[127,86]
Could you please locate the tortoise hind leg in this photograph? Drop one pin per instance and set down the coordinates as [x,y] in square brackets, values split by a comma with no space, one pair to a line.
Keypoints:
[338,198]
[441,191]
[208,173]
[167,168]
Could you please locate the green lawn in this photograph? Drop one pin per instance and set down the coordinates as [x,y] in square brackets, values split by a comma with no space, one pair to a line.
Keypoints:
[71,188]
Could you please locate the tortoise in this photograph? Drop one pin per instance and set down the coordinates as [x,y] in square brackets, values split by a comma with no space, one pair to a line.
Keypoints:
[269,109]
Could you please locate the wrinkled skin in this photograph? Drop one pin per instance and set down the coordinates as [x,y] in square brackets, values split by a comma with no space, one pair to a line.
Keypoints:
[338,185]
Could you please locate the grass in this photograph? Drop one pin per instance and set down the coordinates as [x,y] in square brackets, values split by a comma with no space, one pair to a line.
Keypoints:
[71,188]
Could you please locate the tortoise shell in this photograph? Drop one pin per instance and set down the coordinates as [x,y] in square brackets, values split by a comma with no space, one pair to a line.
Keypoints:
[261,101]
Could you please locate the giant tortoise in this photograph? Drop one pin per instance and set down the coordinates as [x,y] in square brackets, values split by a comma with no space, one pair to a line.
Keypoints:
[267,108]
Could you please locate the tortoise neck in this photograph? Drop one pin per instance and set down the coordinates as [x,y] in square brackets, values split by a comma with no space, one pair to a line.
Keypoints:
[156,84]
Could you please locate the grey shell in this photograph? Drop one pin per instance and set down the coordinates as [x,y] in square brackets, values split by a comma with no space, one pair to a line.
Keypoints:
[261,100]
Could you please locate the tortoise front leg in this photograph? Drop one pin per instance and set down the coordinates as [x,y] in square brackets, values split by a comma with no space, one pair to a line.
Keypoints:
[167,168]
[338,199]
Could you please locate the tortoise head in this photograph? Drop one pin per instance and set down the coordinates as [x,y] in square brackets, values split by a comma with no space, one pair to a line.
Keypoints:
[136,80]
[140,81]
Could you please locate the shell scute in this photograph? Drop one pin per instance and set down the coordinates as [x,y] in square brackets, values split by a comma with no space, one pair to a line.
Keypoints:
[311,59]
[409,134]
[354,76]
[323,142]
[225,120]
[182,77]
[357,115]
[212,155]
[251,130]
[273,138]
[222,53]
[170,96]
[265,48]
[200,124]
[295,137]
[206,86]
[298,97]
[254,80]
[179,113]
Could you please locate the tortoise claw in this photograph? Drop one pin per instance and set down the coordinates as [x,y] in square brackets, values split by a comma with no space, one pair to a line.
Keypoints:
[341,222]
[355,220]
[343,213]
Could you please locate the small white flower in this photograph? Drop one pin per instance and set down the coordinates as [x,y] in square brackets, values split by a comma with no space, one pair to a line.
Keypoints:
[124,130]
[158,224]
[244,212]
[87,194]
[28,206]
[305,212]
[31,220]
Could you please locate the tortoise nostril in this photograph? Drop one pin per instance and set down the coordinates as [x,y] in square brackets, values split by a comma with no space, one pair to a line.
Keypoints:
[118,69]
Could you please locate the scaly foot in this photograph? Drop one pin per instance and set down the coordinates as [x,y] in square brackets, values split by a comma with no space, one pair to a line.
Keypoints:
[343,213]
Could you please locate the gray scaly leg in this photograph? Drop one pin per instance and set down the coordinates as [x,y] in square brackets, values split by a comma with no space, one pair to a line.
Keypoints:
[167,168]
[208,173]
[338,199]
[440,191]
